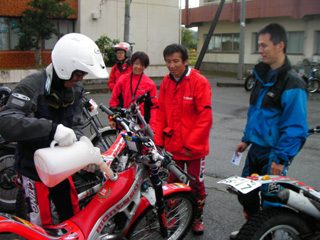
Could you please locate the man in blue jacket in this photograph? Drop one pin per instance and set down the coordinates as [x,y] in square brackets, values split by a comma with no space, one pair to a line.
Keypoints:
[277,117]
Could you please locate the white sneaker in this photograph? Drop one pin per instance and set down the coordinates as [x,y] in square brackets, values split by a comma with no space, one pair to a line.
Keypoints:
[234,235]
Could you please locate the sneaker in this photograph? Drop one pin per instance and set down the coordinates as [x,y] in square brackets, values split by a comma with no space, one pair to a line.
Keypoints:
[198,226]
[234,235]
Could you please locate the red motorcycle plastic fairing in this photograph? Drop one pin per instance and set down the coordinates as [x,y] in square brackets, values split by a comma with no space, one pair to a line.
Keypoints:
[110,193]
[118,145]
[13,224]
[167,189]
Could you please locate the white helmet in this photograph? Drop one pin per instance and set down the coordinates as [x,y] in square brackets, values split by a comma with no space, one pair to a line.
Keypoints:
[124,47]
[75,51]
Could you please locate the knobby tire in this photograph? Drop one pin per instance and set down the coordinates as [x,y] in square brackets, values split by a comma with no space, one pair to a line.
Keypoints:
[264,224]
[249,82]
[313,86]
[180,214]
[8,189]
[109,136]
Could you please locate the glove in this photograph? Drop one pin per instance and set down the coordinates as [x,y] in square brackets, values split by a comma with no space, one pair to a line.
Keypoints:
[91,168]
[64,136]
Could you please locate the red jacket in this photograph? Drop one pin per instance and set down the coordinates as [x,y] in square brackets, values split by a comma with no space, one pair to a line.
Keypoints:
[123,87]
[115,73]
[184,116]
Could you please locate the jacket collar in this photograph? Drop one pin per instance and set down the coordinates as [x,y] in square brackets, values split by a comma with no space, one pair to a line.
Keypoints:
[261,71]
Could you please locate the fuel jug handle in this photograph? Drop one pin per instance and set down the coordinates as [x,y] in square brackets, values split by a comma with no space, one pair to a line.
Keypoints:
[53,144]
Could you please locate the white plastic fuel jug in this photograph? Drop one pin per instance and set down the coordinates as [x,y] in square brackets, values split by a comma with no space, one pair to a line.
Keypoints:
[55,163]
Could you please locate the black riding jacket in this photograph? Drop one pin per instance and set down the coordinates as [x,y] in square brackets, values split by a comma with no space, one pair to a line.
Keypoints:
[29,120]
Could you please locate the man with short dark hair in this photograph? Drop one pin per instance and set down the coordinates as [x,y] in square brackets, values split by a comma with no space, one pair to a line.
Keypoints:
[184,120]
[277,117]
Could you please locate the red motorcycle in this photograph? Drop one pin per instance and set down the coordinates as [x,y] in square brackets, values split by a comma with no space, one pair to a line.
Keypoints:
[132,203]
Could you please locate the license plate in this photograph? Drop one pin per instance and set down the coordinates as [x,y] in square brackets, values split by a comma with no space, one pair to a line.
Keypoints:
[244,185]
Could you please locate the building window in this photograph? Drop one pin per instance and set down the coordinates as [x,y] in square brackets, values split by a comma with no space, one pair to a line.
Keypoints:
[295,42]
[9,33]
[224,42]
[255,45]
[317,42]
[294,45]
[64,27]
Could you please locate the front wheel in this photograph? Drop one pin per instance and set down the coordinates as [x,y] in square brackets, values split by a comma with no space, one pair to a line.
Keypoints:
[274,223]
[180,209]
[313,86]
[8,188]
[249,82]
[107,139]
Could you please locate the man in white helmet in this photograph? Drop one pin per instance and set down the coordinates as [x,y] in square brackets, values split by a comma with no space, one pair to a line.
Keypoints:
[46,106]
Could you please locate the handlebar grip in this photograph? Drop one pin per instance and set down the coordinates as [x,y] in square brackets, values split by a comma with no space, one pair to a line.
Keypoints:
[106,110]
[172,168]
[141,98]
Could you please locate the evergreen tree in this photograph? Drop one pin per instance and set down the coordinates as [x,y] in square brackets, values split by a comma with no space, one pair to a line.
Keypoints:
[188,38]
[36,24]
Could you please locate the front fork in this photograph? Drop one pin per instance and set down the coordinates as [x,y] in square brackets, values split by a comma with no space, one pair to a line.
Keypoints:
[160,204]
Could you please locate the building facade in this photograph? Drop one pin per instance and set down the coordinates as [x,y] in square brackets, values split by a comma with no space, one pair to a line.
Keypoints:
[153,25]
[301,18]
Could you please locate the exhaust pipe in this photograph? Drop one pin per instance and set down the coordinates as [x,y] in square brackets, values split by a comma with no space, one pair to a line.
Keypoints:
[299,202]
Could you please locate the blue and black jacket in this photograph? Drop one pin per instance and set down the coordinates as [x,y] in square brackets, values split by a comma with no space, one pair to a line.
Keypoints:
[277,116]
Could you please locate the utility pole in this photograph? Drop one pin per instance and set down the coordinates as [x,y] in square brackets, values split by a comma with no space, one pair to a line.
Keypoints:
[127,20]
[207,40]
[242,34]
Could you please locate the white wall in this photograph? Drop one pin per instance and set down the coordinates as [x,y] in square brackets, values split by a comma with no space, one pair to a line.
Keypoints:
[154,24]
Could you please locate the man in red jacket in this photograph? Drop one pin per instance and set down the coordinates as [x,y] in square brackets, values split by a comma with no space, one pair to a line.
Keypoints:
[184,120]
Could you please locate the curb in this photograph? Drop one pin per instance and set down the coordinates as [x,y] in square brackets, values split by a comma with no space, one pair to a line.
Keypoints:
[220,84]
[97,88]
[103,88]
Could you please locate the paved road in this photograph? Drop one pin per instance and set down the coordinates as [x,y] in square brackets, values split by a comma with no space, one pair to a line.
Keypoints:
[223,213]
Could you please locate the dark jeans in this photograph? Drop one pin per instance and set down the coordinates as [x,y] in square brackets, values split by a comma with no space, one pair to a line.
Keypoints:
[257,161]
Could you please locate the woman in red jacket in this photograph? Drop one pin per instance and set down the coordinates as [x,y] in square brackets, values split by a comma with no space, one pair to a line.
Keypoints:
[123,65]
[132,85]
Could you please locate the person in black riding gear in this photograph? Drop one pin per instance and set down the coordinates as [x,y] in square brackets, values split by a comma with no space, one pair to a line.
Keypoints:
[46,106]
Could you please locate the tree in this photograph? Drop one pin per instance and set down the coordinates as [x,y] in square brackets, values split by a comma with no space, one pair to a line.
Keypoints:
[36,24]
[188,38]
[105,45]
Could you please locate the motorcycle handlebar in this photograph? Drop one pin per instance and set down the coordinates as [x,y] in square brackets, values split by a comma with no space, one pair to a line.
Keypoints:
[176,170]
[115,117]
[314,130]
[180,175]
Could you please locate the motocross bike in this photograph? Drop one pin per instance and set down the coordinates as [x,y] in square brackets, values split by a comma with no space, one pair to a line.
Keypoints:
[250,80]
[312,81]
[10,195]
[290,209]
[8,190]
[88,184]
[132,203]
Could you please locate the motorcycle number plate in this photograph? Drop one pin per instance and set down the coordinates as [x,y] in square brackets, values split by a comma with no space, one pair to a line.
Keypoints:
[94,110]
[131,142]
[244,185]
